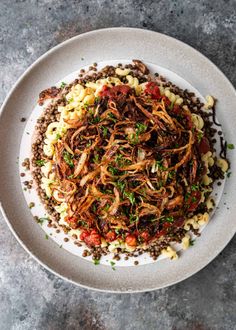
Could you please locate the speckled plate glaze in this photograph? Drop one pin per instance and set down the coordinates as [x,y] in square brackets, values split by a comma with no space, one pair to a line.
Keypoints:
[105,46]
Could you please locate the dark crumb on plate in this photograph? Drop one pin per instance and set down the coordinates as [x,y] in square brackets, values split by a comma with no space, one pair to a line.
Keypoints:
[31,205]
[26,163]
[85,253]
[23,119]
[116,257]
[136,262]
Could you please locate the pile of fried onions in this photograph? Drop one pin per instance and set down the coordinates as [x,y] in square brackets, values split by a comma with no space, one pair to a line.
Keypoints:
[127,164]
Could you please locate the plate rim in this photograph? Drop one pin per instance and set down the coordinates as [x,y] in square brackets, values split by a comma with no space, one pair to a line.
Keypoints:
[17,83]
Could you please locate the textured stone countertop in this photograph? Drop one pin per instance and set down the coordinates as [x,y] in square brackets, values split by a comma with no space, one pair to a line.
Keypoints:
[31,297]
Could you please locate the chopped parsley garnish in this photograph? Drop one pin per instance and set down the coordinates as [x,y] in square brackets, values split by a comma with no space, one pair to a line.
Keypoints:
[97,99]
[133,138]
[121,161]
[186,197]
[113,170]
[230,146]
[88,144]
[169,219]
[106,208]
[63,84]
[68,158]
[112,117]
[121,185]
[140,128]
[118,158]
[58,136]
[46,236]
[199,136]
[96,262]
[70,176]
[191,242]
[82,223]
[133,218]
[104,131]
[91,111]
[171,174]
[96,159]
[160,165]
[112,265]
[160,184]
[172,104]
[194,187]
[42,220]
[40,162]
[130,196]
[153,220]
[228,174]
[194,199]
[96,120]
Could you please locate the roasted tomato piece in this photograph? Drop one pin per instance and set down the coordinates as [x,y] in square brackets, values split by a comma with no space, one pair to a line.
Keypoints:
[85,233]
[153,90]
[131,240]
[161,232]
[193,200]
[122,89]
[110,236]
[145,235]
[178,222]
[72,222]
[114,92]
[176,110]
[167,225]
[166,100]
[189,121]
[91,238]
[204,146]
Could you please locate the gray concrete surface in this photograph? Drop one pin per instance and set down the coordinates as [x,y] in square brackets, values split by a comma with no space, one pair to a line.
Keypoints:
[31,297]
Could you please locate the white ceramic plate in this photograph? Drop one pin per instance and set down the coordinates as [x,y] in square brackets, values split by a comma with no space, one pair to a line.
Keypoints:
[182,65]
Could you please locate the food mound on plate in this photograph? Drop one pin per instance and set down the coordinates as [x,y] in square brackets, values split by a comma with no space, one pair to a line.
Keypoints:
[125,160]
